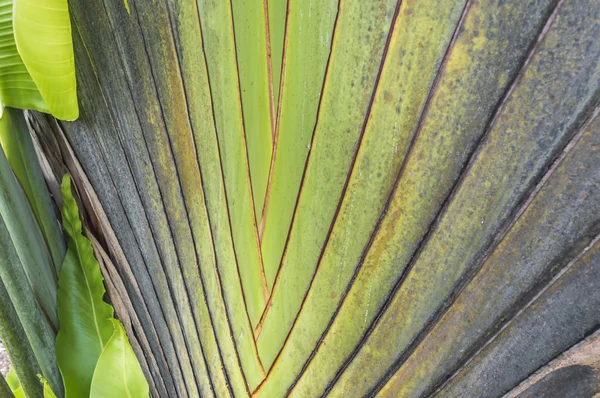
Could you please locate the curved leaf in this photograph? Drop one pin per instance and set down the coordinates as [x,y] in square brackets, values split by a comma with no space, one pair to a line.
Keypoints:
[42,32]
[37,68]
[17,88]
[85,319]
[118,373]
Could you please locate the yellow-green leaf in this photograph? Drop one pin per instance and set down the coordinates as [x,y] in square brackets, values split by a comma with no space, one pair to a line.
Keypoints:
[37,68]
[17,88]
[14,383]
[118,373]
[42,33]
[85,319]
[48,393]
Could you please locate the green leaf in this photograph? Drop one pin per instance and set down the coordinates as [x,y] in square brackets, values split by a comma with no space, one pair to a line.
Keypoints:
[85,319]
[118,373]
[37,67]
[14,383]
[42,32]
[20,152]
[17,88]
[20,230]
[48,393]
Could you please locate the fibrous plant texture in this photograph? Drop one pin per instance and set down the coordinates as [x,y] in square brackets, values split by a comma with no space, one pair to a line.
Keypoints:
[342,197]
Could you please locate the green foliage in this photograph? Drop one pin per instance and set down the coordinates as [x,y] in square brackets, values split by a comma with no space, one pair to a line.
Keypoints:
[37,72]
[118,373]
[14,384]
[48,393]
[37,66]
[20,152]
[91,344]
[29,283]
[17,390]
[315,198]
[18,218]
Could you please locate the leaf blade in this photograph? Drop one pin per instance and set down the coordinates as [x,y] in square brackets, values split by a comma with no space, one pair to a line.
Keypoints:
[49,61]
[17,88]
[118,373]
[21,155]
[85,319]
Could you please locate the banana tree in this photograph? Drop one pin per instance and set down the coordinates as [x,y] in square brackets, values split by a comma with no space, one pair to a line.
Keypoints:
[341,198]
